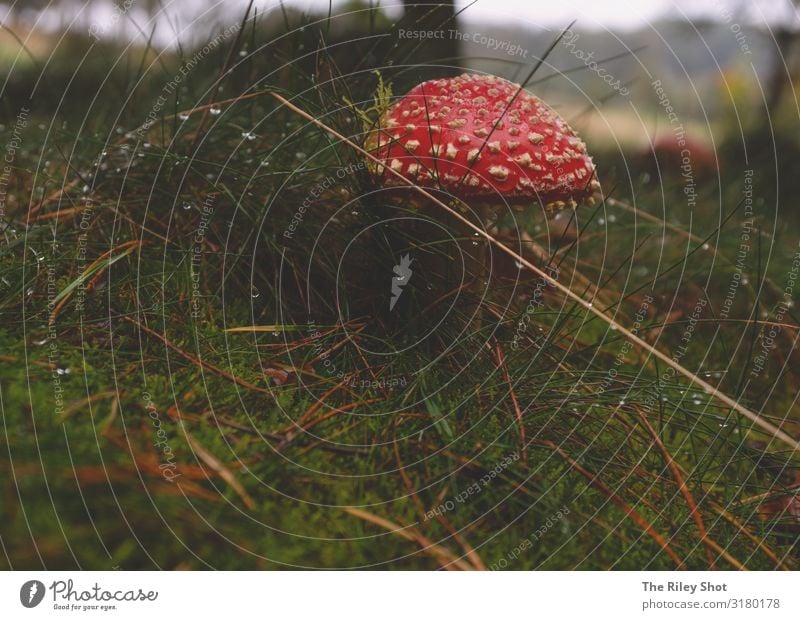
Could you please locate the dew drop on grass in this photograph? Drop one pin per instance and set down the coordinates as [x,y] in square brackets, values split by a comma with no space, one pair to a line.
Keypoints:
[249,135]
[243,53]
[183,116]
[254,292]
[187,206]
[518,264]
[706,246]
[601,221]
[215,111]
[612,218]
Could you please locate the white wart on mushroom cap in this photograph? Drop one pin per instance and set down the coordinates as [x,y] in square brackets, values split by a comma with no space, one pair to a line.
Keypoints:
[481,137]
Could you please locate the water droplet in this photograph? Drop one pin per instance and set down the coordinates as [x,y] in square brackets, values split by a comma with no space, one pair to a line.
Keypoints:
[265,163]
[612,218]
[243,53]
[601,221]
[187,206]
[249,135]
[254,292]
[215,111]
[706,246]
[183,116]
[300,155]
[518,264]
[41,343]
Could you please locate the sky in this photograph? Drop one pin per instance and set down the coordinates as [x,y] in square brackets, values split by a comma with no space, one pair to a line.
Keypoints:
[555,14]
[601,14]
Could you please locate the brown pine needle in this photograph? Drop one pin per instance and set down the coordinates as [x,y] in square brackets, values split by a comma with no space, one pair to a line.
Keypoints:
[687,494]
[629,510]
[446,558]
[219,468]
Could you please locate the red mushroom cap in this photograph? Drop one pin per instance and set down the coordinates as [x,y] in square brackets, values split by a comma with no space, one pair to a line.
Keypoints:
[482,137]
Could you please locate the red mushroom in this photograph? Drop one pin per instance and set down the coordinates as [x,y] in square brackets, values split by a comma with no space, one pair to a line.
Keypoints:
[483,138]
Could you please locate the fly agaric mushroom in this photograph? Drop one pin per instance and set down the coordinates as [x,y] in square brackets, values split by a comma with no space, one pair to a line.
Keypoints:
[485,140]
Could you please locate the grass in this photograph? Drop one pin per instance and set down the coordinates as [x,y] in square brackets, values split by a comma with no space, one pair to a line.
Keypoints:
[184,386]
